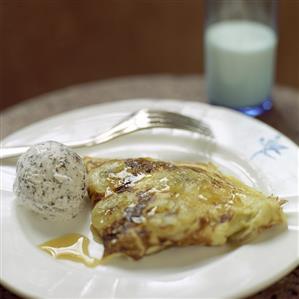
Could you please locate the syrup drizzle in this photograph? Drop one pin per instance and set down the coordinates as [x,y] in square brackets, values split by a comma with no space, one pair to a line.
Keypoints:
[73,247]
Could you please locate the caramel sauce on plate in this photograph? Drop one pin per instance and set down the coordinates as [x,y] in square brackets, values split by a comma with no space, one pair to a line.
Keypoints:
[73,247]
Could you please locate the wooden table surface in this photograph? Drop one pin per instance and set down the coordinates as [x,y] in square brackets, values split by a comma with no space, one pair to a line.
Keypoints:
[284,117]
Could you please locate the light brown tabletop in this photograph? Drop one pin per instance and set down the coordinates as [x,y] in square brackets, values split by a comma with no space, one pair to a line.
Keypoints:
[284,117]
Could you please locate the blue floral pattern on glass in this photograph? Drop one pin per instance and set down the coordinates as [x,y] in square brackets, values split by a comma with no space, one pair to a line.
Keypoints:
[270,147]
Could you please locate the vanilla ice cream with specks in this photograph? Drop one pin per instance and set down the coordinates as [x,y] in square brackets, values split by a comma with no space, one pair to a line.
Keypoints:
[51,181]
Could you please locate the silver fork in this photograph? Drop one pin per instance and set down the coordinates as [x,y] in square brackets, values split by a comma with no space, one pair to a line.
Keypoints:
[139,120]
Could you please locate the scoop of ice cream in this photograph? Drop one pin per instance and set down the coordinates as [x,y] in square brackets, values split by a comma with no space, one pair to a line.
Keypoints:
[51,181]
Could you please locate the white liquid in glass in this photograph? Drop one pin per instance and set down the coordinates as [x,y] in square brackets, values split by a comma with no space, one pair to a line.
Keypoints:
[239,61]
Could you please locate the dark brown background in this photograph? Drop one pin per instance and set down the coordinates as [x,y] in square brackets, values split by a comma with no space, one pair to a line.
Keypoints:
[50,44]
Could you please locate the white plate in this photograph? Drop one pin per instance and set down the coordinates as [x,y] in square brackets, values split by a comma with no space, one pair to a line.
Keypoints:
[246,148]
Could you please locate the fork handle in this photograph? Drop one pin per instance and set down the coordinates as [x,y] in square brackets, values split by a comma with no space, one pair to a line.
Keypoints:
[119,130]
[12,152]
[122,128]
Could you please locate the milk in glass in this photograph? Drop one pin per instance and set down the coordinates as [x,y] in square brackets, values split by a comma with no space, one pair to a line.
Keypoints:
[239,62]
